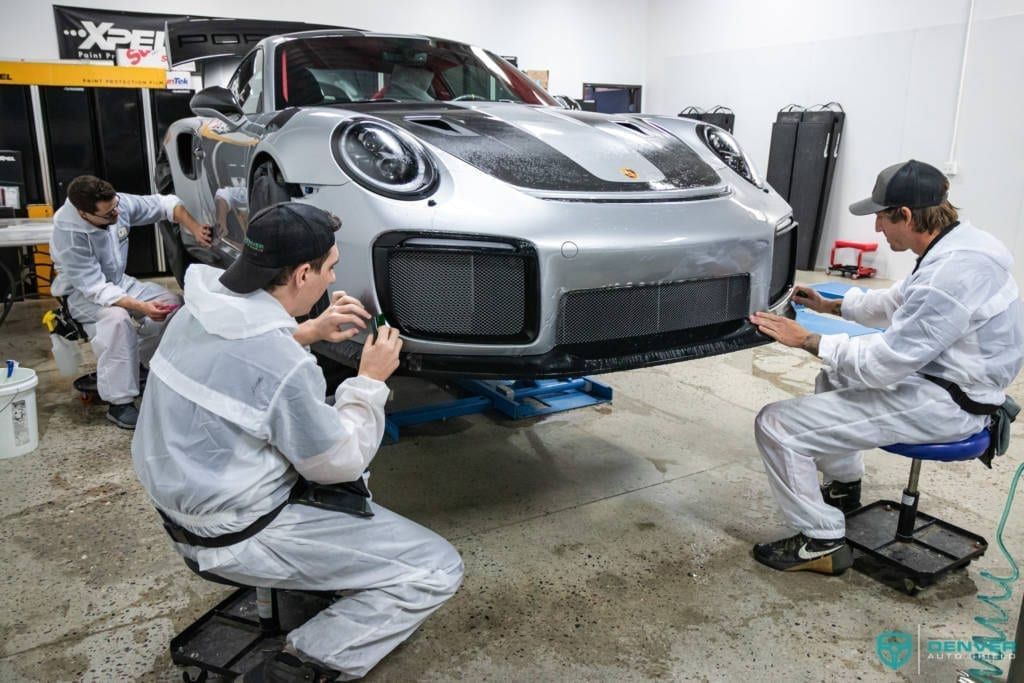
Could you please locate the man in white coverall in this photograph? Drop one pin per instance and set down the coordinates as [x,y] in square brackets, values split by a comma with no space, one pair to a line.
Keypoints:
[123,317]
[953,342]
[233,416]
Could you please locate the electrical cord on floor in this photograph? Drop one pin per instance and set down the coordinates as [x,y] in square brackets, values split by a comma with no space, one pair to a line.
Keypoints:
[995,644]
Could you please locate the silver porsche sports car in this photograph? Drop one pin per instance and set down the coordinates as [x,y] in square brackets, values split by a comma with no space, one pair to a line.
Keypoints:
[505,235]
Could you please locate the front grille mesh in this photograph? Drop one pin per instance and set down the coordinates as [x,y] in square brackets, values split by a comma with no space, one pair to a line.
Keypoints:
[782,264]
[458,294]
[623,312]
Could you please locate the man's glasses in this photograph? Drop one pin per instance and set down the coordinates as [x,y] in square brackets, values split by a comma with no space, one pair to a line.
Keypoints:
[109,214]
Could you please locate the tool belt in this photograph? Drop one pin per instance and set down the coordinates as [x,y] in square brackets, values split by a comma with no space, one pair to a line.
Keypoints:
[1000,417]
[351,497]
[966,403]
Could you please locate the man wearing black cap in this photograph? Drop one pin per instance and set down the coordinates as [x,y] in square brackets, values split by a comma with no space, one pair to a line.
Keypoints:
[233,420]
[953,328]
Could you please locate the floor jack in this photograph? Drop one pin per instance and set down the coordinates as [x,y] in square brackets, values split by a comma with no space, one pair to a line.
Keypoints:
[516,399]
[854,271]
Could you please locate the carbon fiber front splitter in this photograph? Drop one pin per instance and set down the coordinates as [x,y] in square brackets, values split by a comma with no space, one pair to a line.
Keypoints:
[574,361]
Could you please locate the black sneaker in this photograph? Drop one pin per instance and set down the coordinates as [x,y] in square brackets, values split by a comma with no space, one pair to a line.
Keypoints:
[287,668]
[799,553]
[124,415]
[844,495]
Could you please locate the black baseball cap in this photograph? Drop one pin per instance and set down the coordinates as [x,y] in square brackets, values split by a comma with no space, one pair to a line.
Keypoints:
[913,184]
[279,236]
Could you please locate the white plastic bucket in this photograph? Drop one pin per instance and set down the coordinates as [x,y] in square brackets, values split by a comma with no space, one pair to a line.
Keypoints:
[19,429]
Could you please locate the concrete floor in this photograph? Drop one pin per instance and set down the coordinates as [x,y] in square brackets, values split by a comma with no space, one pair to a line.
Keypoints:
[610,543]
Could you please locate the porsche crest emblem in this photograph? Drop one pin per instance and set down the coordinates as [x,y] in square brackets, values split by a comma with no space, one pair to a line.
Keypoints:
[629,173]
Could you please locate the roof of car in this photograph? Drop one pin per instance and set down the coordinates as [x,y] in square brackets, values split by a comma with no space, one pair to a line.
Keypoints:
[348,32]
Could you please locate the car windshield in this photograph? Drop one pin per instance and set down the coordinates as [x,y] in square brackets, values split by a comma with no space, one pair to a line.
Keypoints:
[345,69]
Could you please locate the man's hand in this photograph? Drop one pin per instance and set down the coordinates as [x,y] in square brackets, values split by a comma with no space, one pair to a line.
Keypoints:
[201,231]
[331,325]
[786,331]
[156,311]
[806,296]
[344,311]
[380,358]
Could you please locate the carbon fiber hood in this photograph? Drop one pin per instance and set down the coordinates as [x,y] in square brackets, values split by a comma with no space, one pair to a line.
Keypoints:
[547,149]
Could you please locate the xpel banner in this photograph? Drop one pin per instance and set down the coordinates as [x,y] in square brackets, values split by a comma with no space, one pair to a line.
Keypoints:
[96,34]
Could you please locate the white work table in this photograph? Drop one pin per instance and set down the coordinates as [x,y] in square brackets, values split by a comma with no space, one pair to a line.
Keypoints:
[25,232]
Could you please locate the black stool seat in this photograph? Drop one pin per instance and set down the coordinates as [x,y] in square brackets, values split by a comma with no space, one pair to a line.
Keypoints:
[898,544]
[243,630]
[88,388]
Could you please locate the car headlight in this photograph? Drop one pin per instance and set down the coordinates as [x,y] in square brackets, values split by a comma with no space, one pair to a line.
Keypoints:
[384,159]
[728,150]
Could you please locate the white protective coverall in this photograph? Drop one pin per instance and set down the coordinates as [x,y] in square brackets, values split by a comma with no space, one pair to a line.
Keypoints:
[958,317]
[234,407]
[90,263]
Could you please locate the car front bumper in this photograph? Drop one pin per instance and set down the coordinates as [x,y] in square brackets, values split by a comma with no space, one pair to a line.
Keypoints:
[582,359]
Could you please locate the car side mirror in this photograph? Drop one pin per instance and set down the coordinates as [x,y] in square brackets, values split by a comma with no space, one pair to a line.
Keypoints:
[219,103]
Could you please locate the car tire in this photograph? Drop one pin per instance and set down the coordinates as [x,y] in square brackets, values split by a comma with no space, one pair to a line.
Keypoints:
[268,187]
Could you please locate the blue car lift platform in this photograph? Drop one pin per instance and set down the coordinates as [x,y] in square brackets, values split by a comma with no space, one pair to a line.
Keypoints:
[517,399]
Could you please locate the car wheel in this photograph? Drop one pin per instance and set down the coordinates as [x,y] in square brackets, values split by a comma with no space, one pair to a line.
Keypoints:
[268,187]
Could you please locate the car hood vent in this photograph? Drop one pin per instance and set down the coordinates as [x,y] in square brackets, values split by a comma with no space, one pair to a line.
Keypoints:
[545,149]
[631,126]
[439,124]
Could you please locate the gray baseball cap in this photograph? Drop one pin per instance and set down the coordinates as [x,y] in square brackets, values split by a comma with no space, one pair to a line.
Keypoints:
[913,184]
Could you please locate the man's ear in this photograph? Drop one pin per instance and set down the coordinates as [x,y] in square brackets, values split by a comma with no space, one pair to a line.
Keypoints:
[301,274]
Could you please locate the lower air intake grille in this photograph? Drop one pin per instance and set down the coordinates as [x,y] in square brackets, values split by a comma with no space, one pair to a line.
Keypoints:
[783,263]
[623,312]
[464,295]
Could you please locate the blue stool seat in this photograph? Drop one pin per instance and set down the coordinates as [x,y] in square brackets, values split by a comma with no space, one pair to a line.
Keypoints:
[968,449]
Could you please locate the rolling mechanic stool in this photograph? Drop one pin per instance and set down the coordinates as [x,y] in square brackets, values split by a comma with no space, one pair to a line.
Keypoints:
[244,629]
[909,546]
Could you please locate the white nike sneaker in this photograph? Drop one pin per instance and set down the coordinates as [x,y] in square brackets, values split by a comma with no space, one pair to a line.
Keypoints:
[799,553]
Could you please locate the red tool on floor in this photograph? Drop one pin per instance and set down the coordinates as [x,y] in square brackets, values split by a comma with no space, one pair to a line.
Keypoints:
[852,271]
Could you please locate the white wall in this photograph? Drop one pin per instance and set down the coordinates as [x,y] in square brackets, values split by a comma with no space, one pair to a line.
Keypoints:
[576,40]
[893,65]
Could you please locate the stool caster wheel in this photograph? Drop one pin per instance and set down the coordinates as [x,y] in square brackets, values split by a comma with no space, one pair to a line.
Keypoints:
[910,587]
[201,678]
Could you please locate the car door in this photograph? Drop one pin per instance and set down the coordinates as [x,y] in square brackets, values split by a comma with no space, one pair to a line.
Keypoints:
[226,153]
